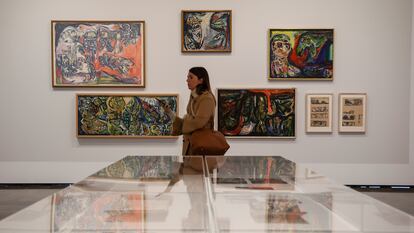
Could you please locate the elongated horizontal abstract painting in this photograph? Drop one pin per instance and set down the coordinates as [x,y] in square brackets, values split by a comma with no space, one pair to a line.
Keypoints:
[78,210]
[257,112]
[98,53]
[206,31]
[124,115]
[301,54]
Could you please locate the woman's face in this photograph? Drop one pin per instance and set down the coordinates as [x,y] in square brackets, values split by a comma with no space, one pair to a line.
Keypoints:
[193,81]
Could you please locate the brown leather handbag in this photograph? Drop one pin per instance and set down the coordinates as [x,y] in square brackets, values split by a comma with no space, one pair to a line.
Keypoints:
[208,142]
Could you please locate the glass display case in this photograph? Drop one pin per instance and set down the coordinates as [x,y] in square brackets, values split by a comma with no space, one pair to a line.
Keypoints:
[273,194]
[135,194]
[207,194]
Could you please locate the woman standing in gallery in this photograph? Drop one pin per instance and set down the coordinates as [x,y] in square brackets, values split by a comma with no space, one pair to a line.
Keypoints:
[200,107]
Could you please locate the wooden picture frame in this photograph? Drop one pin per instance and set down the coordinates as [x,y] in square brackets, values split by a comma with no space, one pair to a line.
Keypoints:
[206,31]
[92,53]
[319,108]
[352,112]
[300,54]
[257,112]
[125,115]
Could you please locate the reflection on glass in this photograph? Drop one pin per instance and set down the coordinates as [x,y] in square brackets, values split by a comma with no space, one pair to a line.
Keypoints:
[254,172]
[79,210]
[134,167]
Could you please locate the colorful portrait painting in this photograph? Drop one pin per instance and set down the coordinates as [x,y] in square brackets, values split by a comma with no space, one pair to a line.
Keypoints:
[98,54]
[206,31]
[257,112]
[124,115]
[77,210]
[301,54]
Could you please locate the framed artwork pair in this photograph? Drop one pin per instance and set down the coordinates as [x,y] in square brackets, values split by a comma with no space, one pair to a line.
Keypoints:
[351,118]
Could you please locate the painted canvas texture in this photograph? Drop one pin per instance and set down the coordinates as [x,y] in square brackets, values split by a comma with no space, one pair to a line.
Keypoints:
[256,170]
[76,210]
[256,112]
[206,31]
[97,54]
[134,116]
[301,54]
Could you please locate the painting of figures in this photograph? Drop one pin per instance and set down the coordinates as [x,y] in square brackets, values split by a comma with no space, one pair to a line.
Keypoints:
[319,113]
[301,54]
[98,53]
[119,115]
[352,112]
[77,210]
[257,112]
[206,31]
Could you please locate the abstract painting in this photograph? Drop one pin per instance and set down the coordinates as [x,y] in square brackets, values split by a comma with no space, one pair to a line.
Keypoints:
[319,113]
[257,112]
[77,210]
[206,31]
[301,54]
[123,115]
[352,112]
[98,53]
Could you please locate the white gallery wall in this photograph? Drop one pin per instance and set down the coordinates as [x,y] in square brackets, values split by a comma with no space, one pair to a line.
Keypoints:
[412,92]
[372,54]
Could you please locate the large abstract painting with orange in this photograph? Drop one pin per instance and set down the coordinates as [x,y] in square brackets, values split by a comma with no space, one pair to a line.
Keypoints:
[257,112]
[98,53]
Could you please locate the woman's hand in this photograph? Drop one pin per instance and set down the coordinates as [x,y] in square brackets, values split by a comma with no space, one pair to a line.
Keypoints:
[167,109]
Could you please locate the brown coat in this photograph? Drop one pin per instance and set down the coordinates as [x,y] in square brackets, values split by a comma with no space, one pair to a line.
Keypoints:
[200,114]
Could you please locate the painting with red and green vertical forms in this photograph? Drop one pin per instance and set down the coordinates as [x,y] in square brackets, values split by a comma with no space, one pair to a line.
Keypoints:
[257,112]
[301,54]
[98,53]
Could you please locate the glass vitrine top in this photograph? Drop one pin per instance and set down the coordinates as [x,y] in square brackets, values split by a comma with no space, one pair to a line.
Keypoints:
[271,193]
[207,194]
[134,194]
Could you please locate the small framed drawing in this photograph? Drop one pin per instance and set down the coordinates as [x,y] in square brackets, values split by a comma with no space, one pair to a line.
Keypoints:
[206,31]
[352,112]
[300,54]
[98,53]
[319,113]
[125,115]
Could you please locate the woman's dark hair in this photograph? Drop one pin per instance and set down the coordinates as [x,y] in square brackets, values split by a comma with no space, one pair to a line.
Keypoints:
[201,73]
